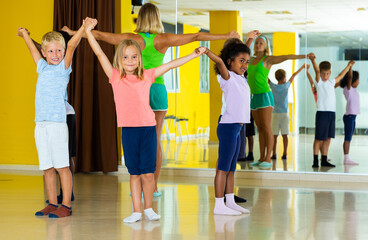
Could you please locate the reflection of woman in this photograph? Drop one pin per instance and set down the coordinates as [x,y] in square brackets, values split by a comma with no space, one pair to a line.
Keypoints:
[154,44]
[262,101]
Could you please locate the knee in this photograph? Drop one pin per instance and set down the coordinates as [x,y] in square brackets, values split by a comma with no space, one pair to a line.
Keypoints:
[149,177]
[49,171]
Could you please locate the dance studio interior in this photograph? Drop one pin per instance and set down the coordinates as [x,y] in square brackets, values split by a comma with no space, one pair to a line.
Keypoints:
[288,199]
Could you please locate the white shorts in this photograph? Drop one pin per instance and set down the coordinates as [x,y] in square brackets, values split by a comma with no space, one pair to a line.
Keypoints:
[280,121]
[52,144]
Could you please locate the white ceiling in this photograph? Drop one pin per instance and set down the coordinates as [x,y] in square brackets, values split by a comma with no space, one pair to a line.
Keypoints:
[317,18]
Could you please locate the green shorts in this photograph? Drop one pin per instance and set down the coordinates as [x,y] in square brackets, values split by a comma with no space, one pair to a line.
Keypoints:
[262,100]
[158,97]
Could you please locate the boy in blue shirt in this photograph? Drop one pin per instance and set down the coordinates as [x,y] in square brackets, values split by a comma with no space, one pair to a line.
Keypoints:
[51,132]
[280,114]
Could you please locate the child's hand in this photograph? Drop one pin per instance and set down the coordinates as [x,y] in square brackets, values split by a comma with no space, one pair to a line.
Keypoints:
[253,34]
[233,34]
[351,63]
[200,51]
[22,32]
[68,30]
[89,23]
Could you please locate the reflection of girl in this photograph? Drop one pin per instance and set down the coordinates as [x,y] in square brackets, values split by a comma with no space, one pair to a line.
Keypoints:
[350,83]
[154,44]
[262,101]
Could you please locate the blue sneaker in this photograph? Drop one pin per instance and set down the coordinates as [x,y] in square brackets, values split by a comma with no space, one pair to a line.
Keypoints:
[255,163]
[265,164]
[157,194]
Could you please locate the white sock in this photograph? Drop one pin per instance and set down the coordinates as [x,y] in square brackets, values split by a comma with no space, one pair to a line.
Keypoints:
[348,161]
[230,203]
[135,217]
[151,215]
[221,209]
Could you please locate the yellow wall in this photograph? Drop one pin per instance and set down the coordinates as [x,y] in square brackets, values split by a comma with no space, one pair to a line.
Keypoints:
[220,22]
[283,44]
[189,102]
[18,78]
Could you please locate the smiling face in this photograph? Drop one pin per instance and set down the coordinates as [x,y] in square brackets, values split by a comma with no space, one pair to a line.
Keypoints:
[240,63]
[130,59]
[53,52]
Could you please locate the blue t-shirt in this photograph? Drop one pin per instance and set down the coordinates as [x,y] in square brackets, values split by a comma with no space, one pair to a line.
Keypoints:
[280,94]
[50,91]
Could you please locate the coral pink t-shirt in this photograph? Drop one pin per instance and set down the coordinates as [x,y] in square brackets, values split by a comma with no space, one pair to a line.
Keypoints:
[131,97]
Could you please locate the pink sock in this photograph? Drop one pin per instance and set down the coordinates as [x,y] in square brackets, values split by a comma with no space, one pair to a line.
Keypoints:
[230,203]
[221,209]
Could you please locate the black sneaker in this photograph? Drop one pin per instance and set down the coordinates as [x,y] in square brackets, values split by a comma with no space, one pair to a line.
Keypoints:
[326,164]
[242,159]
[237,199]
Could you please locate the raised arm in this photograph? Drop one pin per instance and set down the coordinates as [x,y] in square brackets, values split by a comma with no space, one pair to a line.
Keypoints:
[36,55]
[251,36]
[89,24]
[350,77]
[271,60]
[312,57]
[224,72]
[172,40]
[72,45]
[311,80]
[296,73]
[343,72]
[178,62]
[110,38]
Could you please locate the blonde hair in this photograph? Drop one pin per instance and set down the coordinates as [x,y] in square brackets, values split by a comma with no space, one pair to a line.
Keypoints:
[267,50]
[280,74]
[149,19]
[118,58]
[52,37]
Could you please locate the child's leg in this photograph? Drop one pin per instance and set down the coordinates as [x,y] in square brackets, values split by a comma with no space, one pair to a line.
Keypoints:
[316,148]
[324,151]
[286,142]
[66,185]
[136,190]
[50,183]
[148,183]
[230,202]
[220,180]
[274,146]
[250,148]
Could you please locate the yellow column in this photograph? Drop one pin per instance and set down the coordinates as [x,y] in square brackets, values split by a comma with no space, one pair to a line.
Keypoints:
[285,43]
[220,22]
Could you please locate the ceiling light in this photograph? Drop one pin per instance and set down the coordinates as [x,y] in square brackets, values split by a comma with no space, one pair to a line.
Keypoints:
[193,14]
[303,23]
[278,12]
[362,9]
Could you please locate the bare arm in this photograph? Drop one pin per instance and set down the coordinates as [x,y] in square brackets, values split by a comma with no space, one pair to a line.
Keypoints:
[296,73]
[251,36]
[178,62]
[271,60]
[172,40]
[36,55]
[350,77]
[89,24]
[224,72]
[311,80]
[72,45]
[312,57]
[110,38]
[343,72]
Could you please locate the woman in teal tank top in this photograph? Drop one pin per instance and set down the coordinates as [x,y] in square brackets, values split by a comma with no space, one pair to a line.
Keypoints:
[154,44]
[262,101]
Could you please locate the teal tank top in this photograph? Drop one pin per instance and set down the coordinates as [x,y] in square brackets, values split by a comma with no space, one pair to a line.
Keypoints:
[150,56]
[258,77]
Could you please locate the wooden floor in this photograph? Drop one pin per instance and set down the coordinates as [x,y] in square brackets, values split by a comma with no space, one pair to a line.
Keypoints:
[279,210]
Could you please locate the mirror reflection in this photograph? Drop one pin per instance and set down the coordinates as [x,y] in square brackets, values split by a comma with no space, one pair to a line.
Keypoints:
[189,138]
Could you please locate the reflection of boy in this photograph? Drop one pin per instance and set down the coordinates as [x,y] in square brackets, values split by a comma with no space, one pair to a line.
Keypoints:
[280,114]
[326,108]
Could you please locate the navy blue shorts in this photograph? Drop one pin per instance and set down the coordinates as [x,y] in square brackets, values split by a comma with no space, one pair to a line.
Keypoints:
[349,126]
[140,147]
[325,125]
[229,145]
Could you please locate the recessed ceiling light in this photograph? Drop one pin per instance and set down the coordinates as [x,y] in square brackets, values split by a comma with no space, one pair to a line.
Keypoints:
[193,14]
[247,0]
[362,9]
[303,23]
[278,12]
